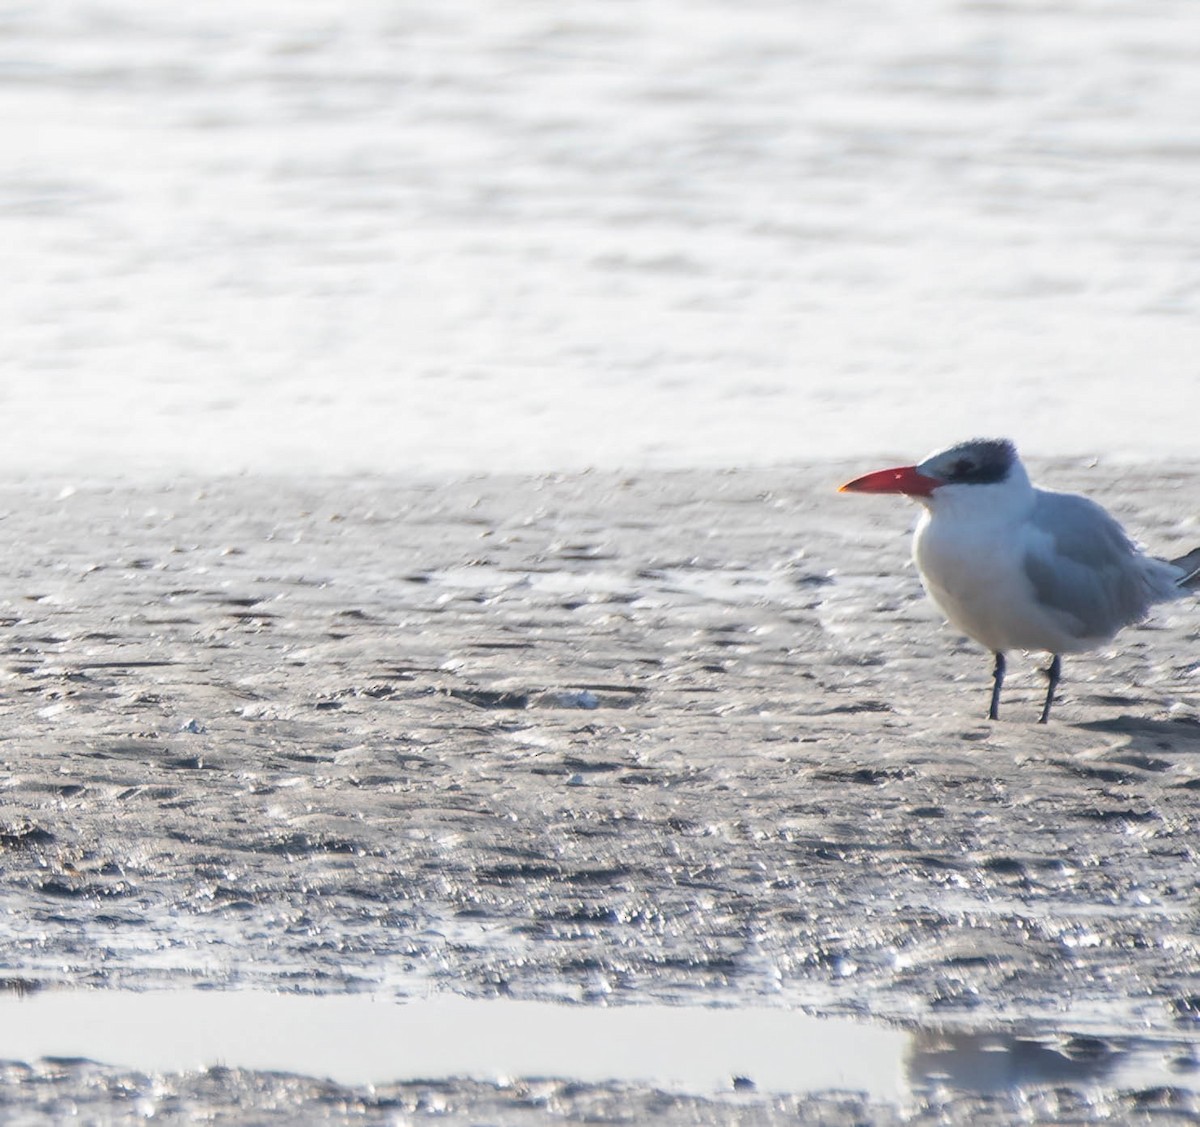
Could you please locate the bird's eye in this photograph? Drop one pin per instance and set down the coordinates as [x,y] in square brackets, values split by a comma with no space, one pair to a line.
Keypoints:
[962,467]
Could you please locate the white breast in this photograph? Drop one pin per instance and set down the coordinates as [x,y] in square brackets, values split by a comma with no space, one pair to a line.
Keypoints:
[970,548]
[979,583]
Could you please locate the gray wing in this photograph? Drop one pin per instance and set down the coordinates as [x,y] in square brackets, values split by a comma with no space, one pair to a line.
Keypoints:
[1190,566]
[1089,573]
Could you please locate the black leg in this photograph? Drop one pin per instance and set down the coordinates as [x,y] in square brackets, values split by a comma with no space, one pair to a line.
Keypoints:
[1052,675]
[997,684]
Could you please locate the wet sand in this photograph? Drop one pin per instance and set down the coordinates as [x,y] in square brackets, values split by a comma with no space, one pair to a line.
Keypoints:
[692,738]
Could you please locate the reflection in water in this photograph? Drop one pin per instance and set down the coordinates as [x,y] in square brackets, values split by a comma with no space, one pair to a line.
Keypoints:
[984,1062]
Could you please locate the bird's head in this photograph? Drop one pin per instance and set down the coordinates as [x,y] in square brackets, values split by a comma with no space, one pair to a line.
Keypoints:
[980,461]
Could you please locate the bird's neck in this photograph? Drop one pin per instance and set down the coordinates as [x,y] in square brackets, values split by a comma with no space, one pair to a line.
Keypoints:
[983,507]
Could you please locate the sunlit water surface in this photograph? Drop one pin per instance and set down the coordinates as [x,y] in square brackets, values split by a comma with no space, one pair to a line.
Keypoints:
[457,235]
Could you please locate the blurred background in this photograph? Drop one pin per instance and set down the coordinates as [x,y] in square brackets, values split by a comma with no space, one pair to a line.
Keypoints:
[430,235]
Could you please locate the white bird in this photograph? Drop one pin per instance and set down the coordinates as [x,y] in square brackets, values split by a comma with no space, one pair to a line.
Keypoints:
[1018,567]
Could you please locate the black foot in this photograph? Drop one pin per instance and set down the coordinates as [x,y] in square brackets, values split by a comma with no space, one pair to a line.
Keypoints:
[997,684]
[1052,675]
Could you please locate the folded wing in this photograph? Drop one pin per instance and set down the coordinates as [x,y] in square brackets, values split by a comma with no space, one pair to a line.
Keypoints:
[1086,571]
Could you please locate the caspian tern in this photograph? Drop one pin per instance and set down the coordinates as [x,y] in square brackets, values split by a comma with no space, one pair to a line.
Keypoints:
[1018,567]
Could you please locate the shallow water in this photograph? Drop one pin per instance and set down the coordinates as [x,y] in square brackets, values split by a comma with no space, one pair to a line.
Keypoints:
[532,236]
[361,1040]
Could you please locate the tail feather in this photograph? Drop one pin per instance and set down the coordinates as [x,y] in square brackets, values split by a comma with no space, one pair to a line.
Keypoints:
[1190,566]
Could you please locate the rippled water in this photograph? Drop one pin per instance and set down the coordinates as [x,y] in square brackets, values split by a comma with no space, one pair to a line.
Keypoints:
[552,234]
